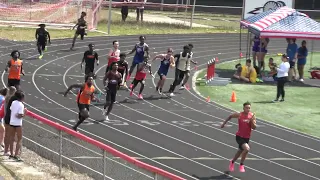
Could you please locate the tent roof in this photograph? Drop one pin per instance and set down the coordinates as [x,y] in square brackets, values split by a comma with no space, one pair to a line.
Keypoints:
[283,12]
[296,25]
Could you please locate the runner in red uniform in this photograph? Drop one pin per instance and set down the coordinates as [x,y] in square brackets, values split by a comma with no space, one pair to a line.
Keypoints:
[141,75]
[114,55]
[247,122]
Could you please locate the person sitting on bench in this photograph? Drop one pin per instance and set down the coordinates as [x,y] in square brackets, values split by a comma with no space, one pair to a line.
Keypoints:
[247,73]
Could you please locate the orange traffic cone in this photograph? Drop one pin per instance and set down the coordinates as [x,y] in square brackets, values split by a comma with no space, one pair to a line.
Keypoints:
[187,87]
[233,97]
[208,99]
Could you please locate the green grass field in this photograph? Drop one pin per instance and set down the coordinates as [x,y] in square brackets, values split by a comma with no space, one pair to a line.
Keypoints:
[130,27]
[300,111]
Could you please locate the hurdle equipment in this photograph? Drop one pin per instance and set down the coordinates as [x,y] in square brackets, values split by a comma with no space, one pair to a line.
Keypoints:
[211,78]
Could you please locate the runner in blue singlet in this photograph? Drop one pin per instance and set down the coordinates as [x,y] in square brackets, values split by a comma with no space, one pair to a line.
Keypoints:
[141,49]
[167,60]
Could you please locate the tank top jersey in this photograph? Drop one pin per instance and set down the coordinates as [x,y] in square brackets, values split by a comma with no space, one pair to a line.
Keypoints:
[84,96]
[15,69]
[184,62]
[244,129]
[114,79]
[122,66]
[256,42]
[141,75]
[140,50]
[114,59]
[164,66]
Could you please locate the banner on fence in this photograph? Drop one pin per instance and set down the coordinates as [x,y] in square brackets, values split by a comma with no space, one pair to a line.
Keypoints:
[253,7]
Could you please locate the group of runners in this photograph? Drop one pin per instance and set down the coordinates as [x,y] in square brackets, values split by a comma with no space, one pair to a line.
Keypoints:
[118,73]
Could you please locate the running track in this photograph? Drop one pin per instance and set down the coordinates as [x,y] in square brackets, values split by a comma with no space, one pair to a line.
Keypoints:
[180,135]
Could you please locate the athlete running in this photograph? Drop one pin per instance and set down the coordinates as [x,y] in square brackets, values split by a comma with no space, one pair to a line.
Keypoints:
[167,60]
[42,37]
[123,69]
[182,66]
[141,50]
[187,74]
[84,97]
[81,28]
[142,70]
[111,82]
[247,122]
[14,66]
[113,55]
[89,58]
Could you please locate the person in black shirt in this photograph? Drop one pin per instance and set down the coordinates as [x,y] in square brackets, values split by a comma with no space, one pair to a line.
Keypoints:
[90,57]
[42,36]
[111,82]
[81,29]
[123,69]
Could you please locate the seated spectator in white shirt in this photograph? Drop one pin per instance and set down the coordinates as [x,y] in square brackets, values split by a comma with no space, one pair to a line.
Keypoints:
[17,114]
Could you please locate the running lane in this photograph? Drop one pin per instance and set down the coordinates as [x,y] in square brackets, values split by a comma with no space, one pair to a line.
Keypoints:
[179,134]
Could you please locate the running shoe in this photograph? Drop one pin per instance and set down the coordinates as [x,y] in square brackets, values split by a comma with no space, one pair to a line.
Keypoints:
[171,94]
[140,96]
[131,85]
[182,88]
[231,166]
[41,56]
[106,118]
[159,91]
[241,168]
[276,100]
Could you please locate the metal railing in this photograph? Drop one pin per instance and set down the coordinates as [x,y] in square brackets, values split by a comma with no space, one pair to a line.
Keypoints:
[65,147]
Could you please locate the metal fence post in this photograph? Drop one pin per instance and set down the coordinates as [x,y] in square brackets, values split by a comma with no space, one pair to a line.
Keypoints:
[155,176]
[60,153]
[104,164]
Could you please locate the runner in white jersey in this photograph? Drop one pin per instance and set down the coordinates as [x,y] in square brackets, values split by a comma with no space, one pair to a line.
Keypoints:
[182,66]
[187,74]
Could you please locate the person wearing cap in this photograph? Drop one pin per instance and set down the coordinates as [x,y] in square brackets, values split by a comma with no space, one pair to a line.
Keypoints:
[89,58]
[14,67]
[42,37]
[81,29]
[282,77]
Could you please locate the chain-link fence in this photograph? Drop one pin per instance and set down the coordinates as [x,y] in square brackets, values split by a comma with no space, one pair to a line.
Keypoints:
[67,148]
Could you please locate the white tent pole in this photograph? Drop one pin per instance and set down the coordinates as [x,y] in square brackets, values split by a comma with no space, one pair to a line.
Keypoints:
[192,14]
[312,48]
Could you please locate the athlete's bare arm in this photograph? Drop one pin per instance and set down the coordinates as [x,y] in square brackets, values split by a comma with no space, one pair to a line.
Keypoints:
[126,67]
[253,121]
[147,51]
[97,58]
[36,35]
[234,115]
[49,38]
[105,78]
[8,66]
[22,70]
[133,50]
[73,86]
[172,62]
[159,56]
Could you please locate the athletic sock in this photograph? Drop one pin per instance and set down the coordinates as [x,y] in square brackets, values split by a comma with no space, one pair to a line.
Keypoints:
[241,164]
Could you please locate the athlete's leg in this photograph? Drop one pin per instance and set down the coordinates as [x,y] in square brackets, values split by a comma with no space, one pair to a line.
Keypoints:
[176,80]
[141,89]
[74,39]
[186,78]
[134,84]
[133,65]
[113,99]
[39,48]
[83,115]
[246,149]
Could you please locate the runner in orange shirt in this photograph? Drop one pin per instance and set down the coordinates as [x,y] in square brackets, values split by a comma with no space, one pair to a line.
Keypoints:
[84,97]
[14,66]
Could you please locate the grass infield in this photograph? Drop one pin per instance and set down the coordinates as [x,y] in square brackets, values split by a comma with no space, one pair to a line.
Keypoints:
[300,111]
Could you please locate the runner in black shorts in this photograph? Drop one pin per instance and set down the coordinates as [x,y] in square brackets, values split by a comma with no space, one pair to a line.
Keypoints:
[42,36]
[84,97]
[81,29]
[113,78]
[123,69]
[90,57]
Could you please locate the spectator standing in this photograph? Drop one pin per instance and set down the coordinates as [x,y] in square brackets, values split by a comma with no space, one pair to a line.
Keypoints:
[8,101]
[140,10]
[3,93]
[16,118]
[302,59]
[125,10]
[282,75]
[292,52]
